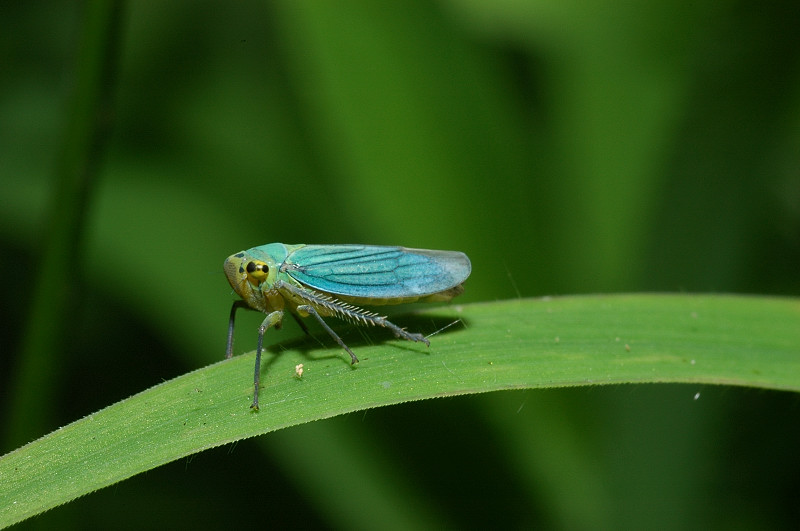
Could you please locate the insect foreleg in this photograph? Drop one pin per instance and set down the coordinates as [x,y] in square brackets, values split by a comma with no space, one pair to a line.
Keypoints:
[236,305]
[273,319]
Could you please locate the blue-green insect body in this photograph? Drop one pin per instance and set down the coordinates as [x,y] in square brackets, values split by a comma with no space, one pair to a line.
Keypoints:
[333,280]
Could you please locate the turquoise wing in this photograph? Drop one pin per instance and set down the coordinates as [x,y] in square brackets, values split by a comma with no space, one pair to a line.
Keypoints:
[376,272]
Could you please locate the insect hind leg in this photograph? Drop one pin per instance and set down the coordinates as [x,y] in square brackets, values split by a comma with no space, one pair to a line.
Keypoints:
[398,332]
[330,306]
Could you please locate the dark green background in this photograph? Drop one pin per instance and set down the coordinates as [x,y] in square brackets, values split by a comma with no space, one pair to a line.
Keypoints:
[594,148]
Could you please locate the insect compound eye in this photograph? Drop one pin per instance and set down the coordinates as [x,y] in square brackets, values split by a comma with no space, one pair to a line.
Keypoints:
[257,271]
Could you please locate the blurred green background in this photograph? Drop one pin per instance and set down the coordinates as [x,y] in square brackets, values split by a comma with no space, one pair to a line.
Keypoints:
[566,147]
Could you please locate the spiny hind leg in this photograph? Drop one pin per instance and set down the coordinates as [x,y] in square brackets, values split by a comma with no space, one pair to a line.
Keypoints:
[346,311]
[399,332]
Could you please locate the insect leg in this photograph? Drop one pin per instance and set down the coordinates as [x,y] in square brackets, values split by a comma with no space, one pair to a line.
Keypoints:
[399,332]
[272,319]
[236,305]
[311,311]
[346,311]
[300,322]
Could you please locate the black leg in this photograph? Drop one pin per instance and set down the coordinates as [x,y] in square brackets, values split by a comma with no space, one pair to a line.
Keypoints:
[311,311]
[236,305]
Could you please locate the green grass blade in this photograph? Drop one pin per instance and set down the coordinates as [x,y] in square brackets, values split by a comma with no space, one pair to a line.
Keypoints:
[570,341]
